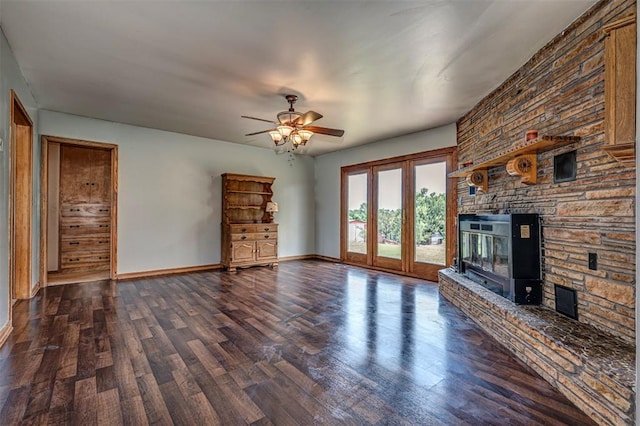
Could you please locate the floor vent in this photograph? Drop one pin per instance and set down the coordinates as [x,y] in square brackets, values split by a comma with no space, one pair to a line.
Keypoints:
[566,301]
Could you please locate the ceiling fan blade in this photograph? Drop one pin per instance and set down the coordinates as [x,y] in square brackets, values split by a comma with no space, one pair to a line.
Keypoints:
[308,118]
[259,119]
[258,133]
[325,131]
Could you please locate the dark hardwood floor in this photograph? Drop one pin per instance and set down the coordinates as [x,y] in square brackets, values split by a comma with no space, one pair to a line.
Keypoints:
[309,343]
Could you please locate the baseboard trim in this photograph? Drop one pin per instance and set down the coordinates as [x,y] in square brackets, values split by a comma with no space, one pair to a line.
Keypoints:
[5,332]
[35,289]
[327,258]
[299,257]
[309,257]
[171,271]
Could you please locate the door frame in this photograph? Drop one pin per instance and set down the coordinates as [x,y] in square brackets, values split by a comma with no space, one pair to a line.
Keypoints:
[20,213]
[380,261]
[44,198]
[409,268]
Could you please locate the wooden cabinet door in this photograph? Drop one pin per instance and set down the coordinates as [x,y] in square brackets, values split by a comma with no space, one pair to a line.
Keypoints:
[75,174]
[242,251]
[100,176]
[266,250]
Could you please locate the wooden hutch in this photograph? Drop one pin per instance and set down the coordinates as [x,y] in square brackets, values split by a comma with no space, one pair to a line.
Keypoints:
[249,236]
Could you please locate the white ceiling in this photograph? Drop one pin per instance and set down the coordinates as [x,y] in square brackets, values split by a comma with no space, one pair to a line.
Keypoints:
[376,69]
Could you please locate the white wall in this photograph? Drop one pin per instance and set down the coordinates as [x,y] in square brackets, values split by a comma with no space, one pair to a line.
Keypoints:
[327,177]
[11,79]
[169,191]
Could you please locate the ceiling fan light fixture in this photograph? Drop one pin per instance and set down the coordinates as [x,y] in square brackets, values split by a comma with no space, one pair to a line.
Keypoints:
[305,135]
[276,136]
[289,117]
[293,128]
[285,131]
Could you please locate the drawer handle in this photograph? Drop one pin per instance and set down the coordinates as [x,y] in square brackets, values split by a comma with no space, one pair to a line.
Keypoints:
[104,226]
[74,210]
[243,230]
[103,210]
[93,184]
[74,243]
[244,237]
[74,260]
[266,229]
[266,236]
[103,242]
[87,183]
[102,257]
[74,226]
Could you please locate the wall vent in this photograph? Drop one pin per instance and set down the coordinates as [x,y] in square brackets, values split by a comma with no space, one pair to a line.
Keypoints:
[566,301]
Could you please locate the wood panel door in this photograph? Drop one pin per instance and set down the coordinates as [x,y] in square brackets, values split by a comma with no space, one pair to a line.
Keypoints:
[85,175]
[21,200]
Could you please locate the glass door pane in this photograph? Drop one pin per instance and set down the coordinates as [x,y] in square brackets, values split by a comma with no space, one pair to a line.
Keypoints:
[430,213]
[389,213]
[357,216]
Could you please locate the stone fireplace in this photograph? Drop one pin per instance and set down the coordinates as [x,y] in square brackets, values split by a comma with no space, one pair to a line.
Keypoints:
[587,216]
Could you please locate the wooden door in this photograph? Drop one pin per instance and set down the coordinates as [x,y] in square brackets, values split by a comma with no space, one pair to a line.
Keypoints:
[388,216]
[389,213]
[21,200]
[242,252]
[75,174]
[266,250]
[100,176]
[85,209]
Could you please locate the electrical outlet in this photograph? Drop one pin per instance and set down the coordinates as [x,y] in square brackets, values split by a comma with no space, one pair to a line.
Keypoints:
[1,145]
[593,261]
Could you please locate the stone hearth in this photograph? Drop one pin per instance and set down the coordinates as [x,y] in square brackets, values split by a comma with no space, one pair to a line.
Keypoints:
[594,370]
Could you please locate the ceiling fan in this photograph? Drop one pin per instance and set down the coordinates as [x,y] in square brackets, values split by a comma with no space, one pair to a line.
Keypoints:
[294,127]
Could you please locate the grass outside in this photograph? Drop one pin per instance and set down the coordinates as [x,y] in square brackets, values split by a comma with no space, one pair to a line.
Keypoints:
[425,254]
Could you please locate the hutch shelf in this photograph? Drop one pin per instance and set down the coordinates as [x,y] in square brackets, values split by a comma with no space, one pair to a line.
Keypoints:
[249,236]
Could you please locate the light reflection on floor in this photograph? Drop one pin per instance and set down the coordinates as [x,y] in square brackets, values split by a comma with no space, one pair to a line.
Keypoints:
[382,317]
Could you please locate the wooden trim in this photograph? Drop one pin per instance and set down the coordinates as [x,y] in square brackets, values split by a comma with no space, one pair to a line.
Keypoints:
[14,98]
[417,156]
[171,271]
[452,210]
[79,142]
[393,271]
[44,213]
[359,258]
[113,148]
[299,257]
[327,258]
[113,257]
[388,263]
[5,332]
[21,290]
[631,19]
[35,289]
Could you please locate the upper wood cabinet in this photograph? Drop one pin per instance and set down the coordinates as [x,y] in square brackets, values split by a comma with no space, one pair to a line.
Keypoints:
[620,89]
[85,175]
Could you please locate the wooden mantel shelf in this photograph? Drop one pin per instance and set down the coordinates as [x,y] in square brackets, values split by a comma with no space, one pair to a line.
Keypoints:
[533,146]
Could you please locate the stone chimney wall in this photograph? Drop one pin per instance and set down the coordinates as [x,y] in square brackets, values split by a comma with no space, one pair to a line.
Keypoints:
[560,92]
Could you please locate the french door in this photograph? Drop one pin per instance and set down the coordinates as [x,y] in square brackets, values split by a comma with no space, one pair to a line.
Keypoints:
[399,214]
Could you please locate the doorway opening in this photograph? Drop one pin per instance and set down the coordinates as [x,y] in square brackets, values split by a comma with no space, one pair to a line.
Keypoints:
[399,214]
[78,238]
